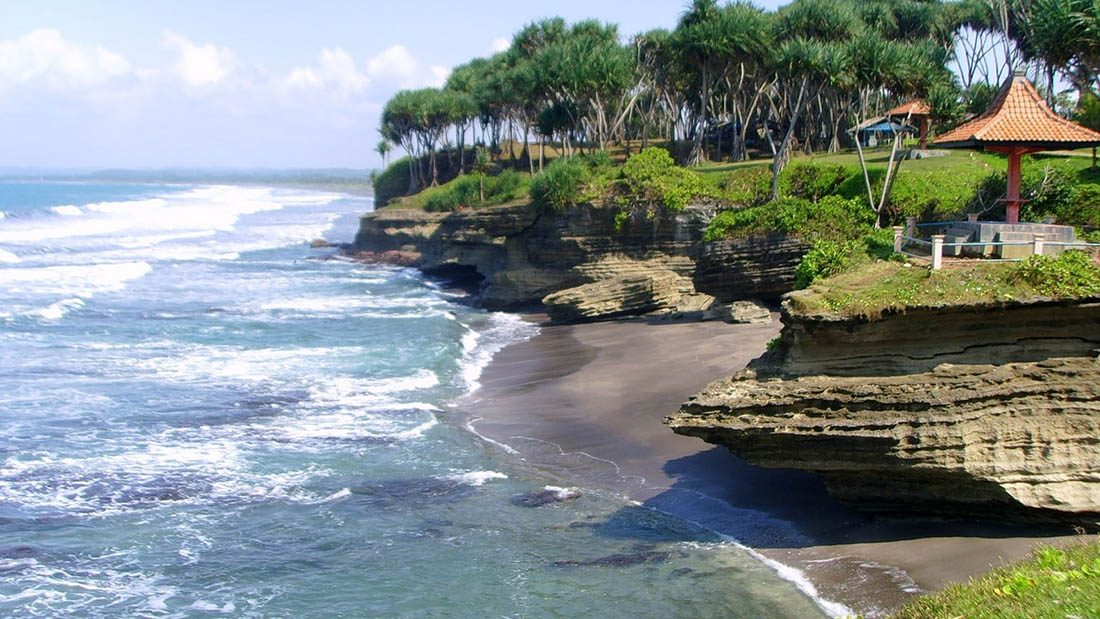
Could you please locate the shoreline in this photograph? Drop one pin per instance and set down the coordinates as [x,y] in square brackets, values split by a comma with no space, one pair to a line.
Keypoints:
[583,404]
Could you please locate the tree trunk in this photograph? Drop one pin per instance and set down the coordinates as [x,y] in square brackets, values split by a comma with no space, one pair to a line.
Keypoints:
[697,155]
[784,155]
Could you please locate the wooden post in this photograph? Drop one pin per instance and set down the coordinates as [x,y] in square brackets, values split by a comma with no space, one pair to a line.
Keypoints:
[924,133]
[937,252]
[1038,249]
[898,240]
[911,227]
[972,218]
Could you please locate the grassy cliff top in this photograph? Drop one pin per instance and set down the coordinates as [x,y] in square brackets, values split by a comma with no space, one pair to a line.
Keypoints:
[1055,583]
[872,289]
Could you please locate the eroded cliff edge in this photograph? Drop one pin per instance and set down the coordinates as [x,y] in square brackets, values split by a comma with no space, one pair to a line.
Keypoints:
[989,411]
[582,263]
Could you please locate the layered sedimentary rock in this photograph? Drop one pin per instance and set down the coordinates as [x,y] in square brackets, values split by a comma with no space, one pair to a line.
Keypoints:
[522,256]
[618,296]
[981,411]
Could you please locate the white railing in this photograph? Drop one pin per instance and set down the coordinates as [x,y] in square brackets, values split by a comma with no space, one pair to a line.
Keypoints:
[903,236]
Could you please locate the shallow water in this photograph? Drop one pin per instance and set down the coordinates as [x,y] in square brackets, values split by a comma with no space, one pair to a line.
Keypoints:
[200,416]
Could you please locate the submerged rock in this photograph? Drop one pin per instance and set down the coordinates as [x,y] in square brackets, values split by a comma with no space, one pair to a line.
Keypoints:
[546,496]
[620,560]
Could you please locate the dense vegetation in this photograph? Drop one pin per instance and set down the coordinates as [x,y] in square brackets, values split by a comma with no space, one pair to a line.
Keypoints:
[731,80]
[1055,583]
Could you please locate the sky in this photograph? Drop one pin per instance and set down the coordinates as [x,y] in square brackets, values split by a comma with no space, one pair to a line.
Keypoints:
[95,84]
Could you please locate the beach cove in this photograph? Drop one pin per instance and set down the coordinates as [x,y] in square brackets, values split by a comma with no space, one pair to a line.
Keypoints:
[584,403]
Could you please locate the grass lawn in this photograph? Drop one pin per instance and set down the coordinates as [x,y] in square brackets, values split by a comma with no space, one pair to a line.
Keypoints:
[1056,583]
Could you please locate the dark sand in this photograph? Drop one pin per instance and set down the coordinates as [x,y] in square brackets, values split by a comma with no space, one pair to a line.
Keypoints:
[582,405]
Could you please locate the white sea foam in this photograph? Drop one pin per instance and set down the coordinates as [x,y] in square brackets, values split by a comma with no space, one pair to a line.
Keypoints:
[503,329]
[67,210]
[57,310]
[563,493]
[81,281]
[128,207]
[476,478]
[3,214]
[8,257]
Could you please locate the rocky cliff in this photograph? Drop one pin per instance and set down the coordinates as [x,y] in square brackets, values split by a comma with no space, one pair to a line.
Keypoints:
[987,411]
[600,268]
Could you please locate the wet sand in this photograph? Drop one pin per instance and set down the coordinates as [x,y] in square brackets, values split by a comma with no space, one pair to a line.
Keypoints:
[582,404]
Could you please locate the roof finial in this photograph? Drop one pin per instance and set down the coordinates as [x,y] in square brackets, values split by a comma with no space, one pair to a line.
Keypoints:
[1019,72]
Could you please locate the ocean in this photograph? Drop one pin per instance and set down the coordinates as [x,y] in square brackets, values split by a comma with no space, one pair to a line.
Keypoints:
[202,415]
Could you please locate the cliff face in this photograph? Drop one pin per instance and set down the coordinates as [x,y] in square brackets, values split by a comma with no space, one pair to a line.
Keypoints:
[992,412]
[644,264]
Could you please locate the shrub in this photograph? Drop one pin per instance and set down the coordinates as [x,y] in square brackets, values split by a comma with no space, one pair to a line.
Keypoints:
[560,185]
[504,186]
[832,218]
[1083,209]
[598,159]
[814,180]
[462,191]
[825,258]
[1072,274]
[652,177]
[392,182]
[748,186]
[1048,188]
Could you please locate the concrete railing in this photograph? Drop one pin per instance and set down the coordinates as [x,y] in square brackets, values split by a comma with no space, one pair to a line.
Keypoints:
[903,235]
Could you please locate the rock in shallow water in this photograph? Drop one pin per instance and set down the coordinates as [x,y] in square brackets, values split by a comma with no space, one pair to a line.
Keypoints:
[546,496]
[619,560]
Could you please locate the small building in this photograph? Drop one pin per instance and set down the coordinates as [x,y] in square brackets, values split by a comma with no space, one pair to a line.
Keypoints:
[917,111]
[1018,122]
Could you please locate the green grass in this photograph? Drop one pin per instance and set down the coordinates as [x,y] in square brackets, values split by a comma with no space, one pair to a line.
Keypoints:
[1054,583]
[463,192]
[871,288]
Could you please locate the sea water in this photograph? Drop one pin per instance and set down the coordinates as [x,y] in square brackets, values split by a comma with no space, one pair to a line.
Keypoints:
[202,415]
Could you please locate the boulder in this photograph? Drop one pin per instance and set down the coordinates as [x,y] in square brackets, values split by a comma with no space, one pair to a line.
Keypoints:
[615,297]
[739,312]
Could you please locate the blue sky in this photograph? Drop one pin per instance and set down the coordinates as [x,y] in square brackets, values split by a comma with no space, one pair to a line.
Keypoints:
[96,84]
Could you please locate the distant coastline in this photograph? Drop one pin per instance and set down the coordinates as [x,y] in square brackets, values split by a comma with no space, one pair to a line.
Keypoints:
[344,180]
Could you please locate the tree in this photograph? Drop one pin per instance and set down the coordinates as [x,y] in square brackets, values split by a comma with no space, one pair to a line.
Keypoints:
[383,148]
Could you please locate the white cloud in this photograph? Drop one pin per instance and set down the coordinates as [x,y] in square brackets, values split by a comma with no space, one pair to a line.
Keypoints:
[200,65]
[397,65]
[335,72]
[44,57]
[499,45]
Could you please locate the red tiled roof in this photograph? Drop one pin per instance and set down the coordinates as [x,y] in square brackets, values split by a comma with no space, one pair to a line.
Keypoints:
[1019,115]
[918,107]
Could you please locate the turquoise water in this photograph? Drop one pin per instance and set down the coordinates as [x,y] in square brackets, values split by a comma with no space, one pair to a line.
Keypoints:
[200,415]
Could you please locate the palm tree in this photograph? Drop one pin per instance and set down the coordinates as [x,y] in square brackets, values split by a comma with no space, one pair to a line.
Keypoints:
[383,148]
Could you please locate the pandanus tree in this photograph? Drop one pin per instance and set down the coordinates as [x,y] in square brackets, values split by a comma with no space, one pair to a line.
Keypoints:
[587,75]
[697,42]
[804,67]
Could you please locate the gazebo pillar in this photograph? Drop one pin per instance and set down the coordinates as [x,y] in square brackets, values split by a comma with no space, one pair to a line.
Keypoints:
[1012,200]
[1012,193]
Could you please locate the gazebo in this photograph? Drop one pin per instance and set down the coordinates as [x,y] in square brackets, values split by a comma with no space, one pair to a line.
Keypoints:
[917,110]
[1018,122]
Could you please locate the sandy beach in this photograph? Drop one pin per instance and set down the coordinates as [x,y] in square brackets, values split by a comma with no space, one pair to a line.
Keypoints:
[583,405]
